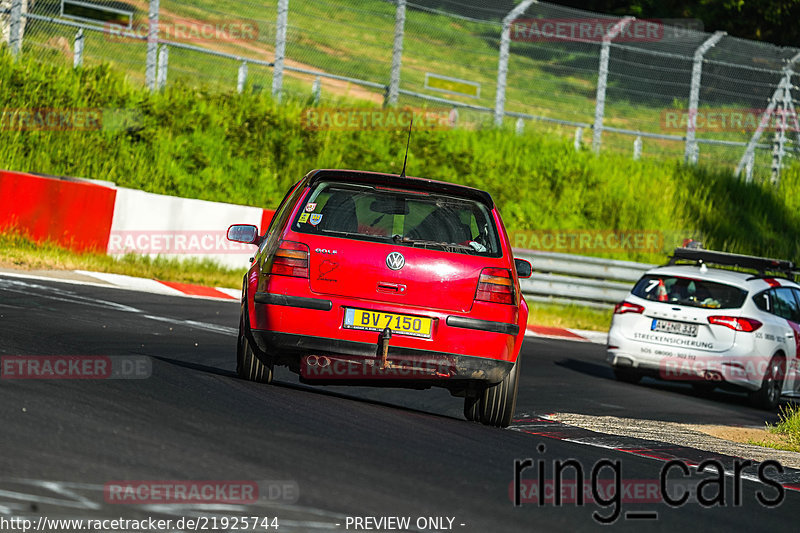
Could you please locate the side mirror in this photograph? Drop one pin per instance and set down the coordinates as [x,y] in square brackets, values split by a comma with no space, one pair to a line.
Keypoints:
[244,233]
[524,268]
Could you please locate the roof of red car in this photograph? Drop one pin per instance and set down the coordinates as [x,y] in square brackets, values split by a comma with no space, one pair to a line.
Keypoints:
[394,180]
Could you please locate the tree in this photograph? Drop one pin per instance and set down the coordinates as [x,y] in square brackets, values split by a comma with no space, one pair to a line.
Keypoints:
[774,21]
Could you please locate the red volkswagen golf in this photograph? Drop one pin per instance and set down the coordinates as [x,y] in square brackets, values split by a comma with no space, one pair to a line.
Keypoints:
[378,279]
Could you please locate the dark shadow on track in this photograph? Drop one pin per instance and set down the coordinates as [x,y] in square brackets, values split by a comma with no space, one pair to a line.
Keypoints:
[718,395]
[305,387]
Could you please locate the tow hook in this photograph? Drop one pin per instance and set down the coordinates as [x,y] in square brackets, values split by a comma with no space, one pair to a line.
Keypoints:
[383,346]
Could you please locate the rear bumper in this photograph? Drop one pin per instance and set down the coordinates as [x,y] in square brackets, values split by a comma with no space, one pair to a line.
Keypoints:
[291,319]
[328,359]
[736,366]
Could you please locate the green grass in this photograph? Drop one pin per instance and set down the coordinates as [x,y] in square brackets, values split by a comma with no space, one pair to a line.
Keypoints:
[20,252]
[569,316]
[247,149]
[353,38]
[786,431]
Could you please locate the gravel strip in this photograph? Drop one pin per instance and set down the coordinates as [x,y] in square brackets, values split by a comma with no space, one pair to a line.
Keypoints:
[693,436]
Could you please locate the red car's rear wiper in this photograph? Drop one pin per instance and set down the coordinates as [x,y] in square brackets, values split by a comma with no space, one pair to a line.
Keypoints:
[400,239]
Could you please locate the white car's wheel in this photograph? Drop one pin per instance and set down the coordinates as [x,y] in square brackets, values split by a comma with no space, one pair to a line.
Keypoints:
[769,395]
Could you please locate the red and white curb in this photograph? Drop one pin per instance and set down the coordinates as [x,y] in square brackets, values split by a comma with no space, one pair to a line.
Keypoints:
[579,335]
[120,281]
[163,287]
[171,288]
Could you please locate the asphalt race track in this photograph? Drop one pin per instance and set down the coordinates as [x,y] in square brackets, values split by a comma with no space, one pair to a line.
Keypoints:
[330,454]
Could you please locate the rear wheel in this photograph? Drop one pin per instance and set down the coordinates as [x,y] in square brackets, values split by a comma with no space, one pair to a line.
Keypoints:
[769,395]
[471,404]
[703,388]
[627,375]
[494,405]
[248,365]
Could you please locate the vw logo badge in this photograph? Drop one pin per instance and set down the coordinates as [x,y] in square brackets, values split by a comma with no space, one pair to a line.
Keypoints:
[395,261]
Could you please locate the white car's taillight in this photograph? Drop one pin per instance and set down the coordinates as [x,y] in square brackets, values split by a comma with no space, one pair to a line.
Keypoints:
[746,325]
[627,307]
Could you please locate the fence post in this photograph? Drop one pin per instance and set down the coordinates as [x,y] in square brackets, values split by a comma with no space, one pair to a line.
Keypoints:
[691,151]
[578,139]
[280,48]
[779,147]
[453,118]
[15,28]
[163,65]
[77,59]
[502,65]
[786,82]
[748,168]
[520,126]
[151,67]
[242,78]
[397,52]
[602,80]
[316,90]
[637,148]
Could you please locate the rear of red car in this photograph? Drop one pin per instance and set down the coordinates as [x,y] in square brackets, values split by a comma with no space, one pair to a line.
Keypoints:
[379,279]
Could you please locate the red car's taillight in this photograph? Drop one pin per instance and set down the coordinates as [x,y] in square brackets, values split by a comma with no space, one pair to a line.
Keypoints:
[747,325]
[291,259]
[495,285]
[627,307]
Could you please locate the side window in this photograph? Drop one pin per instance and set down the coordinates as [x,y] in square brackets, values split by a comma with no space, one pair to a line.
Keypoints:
[786,305]
[282,213]
[763,301]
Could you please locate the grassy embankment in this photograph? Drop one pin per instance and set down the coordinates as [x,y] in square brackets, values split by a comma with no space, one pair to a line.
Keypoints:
[785,435]
[353,38]
[246,149]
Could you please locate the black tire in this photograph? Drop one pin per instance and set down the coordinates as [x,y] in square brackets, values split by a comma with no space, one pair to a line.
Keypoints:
[471,404]
[495,406]
[703,388]
[769,395]
[627,375]
[248,364]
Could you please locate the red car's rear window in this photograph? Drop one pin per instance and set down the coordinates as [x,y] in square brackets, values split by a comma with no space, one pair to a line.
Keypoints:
[413,218]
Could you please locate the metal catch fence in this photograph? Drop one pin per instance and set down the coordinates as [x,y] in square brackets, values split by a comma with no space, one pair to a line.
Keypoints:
[650,88]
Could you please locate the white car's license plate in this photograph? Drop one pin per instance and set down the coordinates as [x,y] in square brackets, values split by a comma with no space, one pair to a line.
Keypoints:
[677,328]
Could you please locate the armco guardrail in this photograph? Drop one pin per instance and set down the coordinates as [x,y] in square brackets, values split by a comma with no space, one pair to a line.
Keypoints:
[574,279]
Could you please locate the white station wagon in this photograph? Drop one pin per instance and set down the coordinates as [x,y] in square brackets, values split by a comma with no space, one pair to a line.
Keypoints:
[712,319]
